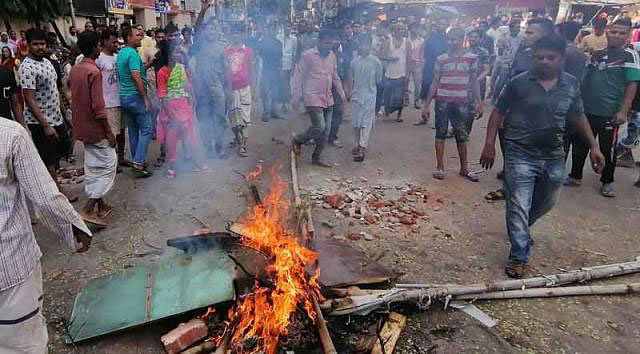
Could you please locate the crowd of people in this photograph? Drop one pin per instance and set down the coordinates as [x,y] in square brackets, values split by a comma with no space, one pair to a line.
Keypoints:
[553,90]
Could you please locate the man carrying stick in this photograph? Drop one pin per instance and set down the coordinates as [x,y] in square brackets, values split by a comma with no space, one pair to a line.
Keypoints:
[535,106]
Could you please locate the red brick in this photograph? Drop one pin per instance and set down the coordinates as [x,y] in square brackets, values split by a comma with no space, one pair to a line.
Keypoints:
[184,335]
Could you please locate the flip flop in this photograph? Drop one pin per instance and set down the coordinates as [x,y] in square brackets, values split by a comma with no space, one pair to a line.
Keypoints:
[422,122]
[171,174]
[138,173]
[472,176]
[439,174]
[495,196]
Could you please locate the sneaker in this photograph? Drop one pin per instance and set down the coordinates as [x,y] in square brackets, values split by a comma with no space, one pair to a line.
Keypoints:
[515,270]
[572,182]
[607,190]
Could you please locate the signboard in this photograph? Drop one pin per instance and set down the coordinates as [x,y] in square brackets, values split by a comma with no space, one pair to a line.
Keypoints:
[163,6]
[119,7]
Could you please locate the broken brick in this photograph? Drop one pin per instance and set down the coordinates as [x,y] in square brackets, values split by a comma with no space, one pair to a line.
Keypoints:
[353,236]
[335,200]
[370,219]
[376,204]
[184,335]
[407,220]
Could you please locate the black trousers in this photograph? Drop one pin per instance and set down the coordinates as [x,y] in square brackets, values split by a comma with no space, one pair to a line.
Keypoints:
[336,118]
[607,135]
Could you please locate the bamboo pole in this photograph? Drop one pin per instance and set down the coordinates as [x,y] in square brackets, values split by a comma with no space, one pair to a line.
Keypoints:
[612,289]
[366,303]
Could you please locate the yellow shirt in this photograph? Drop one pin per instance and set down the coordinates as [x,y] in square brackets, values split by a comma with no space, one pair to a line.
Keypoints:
[592,43]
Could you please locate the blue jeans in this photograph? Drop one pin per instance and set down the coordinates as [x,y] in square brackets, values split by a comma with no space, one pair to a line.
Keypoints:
[532,187]
[140,127]
[633,126]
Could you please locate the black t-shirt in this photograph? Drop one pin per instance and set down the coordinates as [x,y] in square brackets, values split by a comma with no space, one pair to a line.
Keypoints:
[8,87]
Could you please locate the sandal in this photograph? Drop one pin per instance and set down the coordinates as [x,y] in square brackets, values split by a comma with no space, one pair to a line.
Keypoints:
[572,182]
[141,173]
[93,221]
[495,196]
[515,270]
[200,168]
[471,176]
[107,211]
[420,122]
[439,174]
[607,191]
[242,152]
[171,174]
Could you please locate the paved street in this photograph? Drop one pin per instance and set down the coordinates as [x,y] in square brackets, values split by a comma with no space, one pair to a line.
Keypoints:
[463,241]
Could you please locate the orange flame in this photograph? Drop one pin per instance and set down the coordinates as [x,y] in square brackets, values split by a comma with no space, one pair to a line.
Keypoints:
[255,174]
[265,313]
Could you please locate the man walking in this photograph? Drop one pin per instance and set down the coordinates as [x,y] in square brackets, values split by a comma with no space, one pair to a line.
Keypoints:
[434,46]
[106,62]
[42,114]
[316,75]
[366,69]
[457,93]
[416,61]
[608,90]
[596,40]
[270,50]
[91,127]
[134,99]
[9,101]
[534,108]
[212,88]
[24,179]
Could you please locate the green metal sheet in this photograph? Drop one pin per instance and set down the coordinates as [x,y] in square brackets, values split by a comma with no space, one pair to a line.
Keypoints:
[148,293]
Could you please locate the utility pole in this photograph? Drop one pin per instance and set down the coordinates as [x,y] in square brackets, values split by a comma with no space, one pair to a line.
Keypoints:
[73,14]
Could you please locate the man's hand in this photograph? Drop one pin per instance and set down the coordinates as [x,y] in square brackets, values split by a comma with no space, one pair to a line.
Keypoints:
[478,108]
[620,118]
[83,239]
[51,133]
[488,156]
[205,3]
[597,159]
[425,112]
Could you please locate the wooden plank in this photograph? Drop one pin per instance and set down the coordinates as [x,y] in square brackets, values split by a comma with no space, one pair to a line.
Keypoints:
[389,334]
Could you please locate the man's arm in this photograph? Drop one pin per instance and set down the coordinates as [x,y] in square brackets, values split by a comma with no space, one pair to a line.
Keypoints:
[137,80]
[430,95]
[203,11]
[16,107]
[629,94]
[98,106]
[489,152]
[54,209]
[337,83]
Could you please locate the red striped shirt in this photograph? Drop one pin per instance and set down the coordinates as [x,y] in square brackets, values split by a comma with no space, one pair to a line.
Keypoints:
[454,84]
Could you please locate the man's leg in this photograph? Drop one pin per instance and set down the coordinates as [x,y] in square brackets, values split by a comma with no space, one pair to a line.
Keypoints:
[324,119]
[442,124]
[267,99]
[581,151]
[336,120]
[219,126]
[316,128]
[547,189]
[144,125]
[607,140]
[23,328]
[204,113]
[520,182]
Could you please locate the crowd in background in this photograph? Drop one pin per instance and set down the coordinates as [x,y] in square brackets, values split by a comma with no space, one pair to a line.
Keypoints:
[187,89]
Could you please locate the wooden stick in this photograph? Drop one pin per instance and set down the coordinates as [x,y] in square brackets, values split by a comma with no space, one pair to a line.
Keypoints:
[321,325]
[390,334]
[294,180]
[554,292]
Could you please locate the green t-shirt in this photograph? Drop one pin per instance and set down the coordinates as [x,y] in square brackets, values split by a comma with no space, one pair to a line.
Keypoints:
[606,78]
[127,61]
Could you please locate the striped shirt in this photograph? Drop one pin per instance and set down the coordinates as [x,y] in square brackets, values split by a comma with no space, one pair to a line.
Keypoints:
[454,84]
[23,177]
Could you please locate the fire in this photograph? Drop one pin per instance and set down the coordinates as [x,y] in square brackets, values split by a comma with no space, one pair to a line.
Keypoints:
[264,314]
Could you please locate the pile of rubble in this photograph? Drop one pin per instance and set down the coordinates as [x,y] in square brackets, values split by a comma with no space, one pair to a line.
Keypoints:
[388,207]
